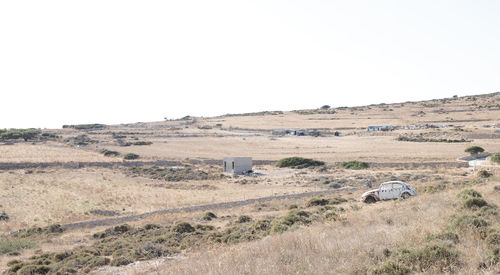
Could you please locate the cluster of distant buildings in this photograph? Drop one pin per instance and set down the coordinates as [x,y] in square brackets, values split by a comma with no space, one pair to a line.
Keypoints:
[386,128]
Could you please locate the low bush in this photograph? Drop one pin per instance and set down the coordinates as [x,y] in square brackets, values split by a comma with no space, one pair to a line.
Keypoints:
[142,143]
[14,245]
[439,256]
[474,203]
[209,216]
[298,162]
[109,153]
[474,150]
[183,227]
[469,194]
[317,201]
[423,139]
[467,222]
[12,134]
[484,174]
[355,165]
[495,158]
[323,201]
[94,126]
[244,219]
[131,156]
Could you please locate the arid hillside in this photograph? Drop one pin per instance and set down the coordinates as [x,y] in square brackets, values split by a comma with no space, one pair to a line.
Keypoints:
[151,197]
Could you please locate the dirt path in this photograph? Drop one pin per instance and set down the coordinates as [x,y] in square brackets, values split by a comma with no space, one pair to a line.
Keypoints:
[195,208]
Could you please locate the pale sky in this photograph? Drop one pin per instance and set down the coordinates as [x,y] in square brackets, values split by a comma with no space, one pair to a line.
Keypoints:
[70,62]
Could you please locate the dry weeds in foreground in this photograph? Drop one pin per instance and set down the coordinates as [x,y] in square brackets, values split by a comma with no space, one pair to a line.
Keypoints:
[350,247]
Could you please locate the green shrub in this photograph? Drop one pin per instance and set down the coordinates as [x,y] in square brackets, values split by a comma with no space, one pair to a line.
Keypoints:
[298,162]
[109,153]
[14,245]
[317,201]
[468,222]
[404,261]
[131,156]
[355,165]
[474,150]
[392,268]
[33,269]
[474,203]
[12,134]
[86,126]
[484,174]
[243,219]
[495,158]
[209,216]
[469,194]
[142,143]
[183,227]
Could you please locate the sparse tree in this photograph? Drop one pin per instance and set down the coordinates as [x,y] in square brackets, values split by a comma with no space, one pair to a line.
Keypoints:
[474,150]
[324,107]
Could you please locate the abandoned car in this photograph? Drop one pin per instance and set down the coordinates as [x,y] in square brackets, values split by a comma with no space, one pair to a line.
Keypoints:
[389,191]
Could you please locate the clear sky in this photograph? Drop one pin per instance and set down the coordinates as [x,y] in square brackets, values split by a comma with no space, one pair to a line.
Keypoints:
[68,62]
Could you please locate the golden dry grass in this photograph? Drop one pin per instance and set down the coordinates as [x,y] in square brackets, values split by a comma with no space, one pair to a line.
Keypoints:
[66,195]
[350,247]
[49,152]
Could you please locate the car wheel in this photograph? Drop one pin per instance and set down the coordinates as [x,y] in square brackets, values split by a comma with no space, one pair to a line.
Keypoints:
[370,199]
[405,196]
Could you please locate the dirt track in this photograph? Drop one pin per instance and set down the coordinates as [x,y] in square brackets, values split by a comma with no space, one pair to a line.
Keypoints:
[195,208]
[77,165]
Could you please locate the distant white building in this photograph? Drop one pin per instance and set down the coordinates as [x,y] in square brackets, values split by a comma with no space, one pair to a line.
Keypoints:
[379,128]
[237,165]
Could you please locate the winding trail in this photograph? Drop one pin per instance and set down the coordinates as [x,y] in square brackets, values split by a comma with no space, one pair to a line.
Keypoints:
[195,208]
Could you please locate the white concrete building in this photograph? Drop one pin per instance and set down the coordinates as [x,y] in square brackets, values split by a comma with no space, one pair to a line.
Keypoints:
[237,165]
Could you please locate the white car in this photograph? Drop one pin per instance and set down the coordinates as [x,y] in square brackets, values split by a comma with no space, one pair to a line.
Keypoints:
[389,191]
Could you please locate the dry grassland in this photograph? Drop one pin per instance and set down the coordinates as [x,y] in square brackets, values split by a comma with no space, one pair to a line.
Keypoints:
[352,246]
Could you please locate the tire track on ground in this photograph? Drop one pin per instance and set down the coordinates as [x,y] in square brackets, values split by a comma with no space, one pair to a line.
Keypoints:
[195,208]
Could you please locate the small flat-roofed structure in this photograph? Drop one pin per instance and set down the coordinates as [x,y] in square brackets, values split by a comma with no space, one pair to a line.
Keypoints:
[237,165]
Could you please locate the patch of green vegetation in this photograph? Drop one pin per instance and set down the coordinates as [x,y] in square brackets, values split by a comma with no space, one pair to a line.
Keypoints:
[38,231]
[355,165]
[468,222]
[130,156]
[495,158]
[208,216]
[484,174]
[323,201]
[109,153]
[468,194]
[13,134]
[298,162]
[93,126]
[435,188]
[176,174]
[423,139]
[142,143]
[123,244]
[438,256]
[474,203]
[8,245]
[244,219]
[474,150]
